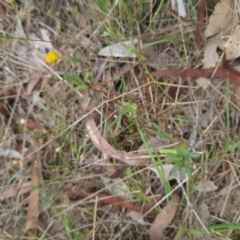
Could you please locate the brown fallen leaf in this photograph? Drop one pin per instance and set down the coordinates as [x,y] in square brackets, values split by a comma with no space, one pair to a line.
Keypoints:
[211,56]
[231,47]
[101,144]
[14,191]
[3,109]
[11,92]
[30,124]
[32,223]
[200,18]
[2,11]
[33,81]
[222,18]
[119,172]
[226,72]
[164,218]
[113,200]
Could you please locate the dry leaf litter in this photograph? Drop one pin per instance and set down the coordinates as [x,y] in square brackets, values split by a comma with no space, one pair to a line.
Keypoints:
[65,171]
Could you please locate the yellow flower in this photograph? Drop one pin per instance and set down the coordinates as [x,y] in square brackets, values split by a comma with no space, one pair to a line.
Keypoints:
[51,57]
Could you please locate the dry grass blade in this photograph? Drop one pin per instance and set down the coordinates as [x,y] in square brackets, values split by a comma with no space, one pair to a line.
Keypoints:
[32,223]
[163,219]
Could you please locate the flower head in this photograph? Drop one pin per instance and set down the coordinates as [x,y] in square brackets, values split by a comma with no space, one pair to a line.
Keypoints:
[51,57]
[131,108]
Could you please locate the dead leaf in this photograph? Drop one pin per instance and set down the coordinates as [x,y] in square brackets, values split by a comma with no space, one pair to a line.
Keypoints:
[206,186]
[10,153]
[119,172]
[30,124]
[163,219]
[138,217]
[179,176]
[221,19]
[3,109]
[117,186]
[202,82]
[156,60]
[200,20]
[33,81]
[206,117]
[226,72]
[2,11]
[232,46]
[211,56]
[114,200]
[33,204]
[120,49]
[14,191]
[101,144]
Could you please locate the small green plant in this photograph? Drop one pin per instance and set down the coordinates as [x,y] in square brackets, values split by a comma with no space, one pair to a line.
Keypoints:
[78,82]
[181,158]
[75,10]
[75,59]
[130,109]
